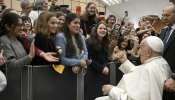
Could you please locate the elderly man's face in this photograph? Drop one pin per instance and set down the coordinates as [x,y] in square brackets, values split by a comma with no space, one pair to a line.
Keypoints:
[27,9]
[173,1]
[143,51]
[168,16]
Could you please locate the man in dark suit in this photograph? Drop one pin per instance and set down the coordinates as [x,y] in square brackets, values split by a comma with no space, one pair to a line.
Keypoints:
[168,37]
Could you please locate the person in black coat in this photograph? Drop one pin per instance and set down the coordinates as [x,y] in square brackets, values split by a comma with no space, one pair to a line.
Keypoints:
[43,37]
[98,70]
[168,37]
[89,19]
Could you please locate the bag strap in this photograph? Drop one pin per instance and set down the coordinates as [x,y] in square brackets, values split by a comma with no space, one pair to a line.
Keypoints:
[85,28]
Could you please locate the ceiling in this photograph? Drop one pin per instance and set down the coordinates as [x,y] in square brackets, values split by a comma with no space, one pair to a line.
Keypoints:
[138,8]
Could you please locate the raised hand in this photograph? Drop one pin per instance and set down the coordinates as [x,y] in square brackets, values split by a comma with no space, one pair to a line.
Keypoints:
[121,56]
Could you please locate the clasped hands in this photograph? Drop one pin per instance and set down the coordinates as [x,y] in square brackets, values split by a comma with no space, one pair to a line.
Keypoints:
[120,55]
[106,89]
[169,85]
[83,64]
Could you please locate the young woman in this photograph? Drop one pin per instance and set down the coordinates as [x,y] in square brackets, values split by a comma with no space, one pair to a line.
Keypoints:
[123,44]
[72,43]
[89,19]
[97,72]
[111,21]
[117,26]
[27,25]
[74,54]
[113,43]
[61,20]
[14,53]
[45,27]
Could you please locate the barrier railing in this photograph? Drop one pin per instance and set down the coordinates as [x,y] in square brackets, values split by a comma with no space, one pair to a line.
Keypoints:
[43,83]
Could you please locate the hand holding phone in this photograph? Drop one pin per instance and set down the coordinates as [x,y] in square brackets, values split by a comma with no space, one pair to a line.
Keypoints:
[126,13]
[64,9]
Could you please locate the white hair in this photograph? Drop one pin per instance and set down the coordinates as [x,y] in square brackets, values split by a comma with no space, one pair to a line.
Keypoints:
[24,3]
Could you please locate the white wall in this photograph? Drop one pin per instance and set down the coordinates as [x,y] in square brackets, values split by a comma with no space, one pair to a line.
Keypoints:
[109,12]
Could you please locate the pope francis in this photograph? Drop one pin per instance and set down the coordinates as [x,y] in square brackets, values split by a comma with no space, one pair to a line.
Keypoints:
[144,82]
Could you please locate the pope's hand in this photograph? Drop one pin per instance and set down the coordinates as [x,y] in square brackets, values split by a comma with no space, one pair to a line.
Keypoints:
[169,85]
[121,56]
[106,89]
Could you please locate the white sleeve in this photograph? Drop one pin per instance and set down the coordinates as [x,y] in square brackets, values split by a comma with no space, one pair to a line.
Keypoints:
[3,81]
[127,67]
[117,94]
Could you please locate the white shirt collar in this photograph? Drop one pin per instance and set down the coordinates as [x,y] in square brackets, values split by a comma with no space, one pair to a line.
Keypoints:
[173,27]
[148,60]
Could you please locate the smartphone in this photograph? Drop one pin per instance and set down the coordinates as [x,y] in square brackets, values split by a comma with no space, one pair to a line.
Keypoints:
[63,8]
[126,12]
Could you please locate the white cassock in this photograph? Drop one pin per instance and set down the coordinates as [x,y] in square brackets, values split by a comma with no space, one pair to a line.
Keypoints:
[144,82]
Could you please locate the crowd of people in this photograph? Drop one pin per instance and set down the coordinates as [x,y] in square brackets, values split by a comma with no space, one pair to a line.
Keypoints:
[42,36]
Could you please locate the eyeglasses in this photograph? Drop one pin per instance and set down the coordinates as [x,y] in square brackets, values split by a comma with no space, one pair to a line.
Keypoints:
[20,25]
[28,7]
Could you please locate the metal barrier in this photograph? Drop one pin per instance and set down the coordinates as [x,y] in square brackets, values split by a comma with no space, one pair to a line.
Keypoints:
[44,83]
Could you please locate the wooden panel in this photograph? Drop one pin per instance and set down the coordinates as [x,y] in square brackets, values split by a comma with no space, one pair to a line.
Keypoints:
[32,1]
[98,8]
[67,2]
[83,6]
[7,3]
[16,5]
[102,5]
[76,0]
[75,4]
[59,2]
[102,9]
[84,1]
[89,1]
[73,11]
[96,2]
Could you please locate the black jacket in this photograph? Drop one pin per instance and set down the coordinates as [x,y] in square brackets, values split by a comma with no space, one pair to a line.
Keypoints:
[46,45]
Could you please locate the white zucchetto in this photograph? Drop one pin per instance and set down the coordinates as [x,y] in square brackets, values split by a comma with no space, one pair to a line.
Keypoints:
[155,43]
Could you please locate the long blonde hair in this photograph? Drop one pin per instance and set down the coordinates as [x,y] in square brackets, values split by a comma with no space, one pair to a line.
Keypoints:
[86,14]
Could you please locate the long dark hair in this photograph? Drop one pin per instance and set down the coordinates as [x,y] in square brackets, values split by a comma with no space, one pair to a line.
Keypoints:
[97,44]
[11,19]
[70,48]
[109,18]
[125,38]
[26,18]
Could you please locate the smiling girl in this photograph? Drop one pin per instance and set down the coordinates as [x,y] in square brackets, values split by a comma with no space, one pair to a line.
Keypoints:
[89,18]
[46,26]
[97,72]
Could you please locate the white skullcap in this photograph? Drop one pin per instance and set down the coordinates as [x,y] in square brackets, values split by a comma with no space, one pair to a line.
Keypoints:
[155,43]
